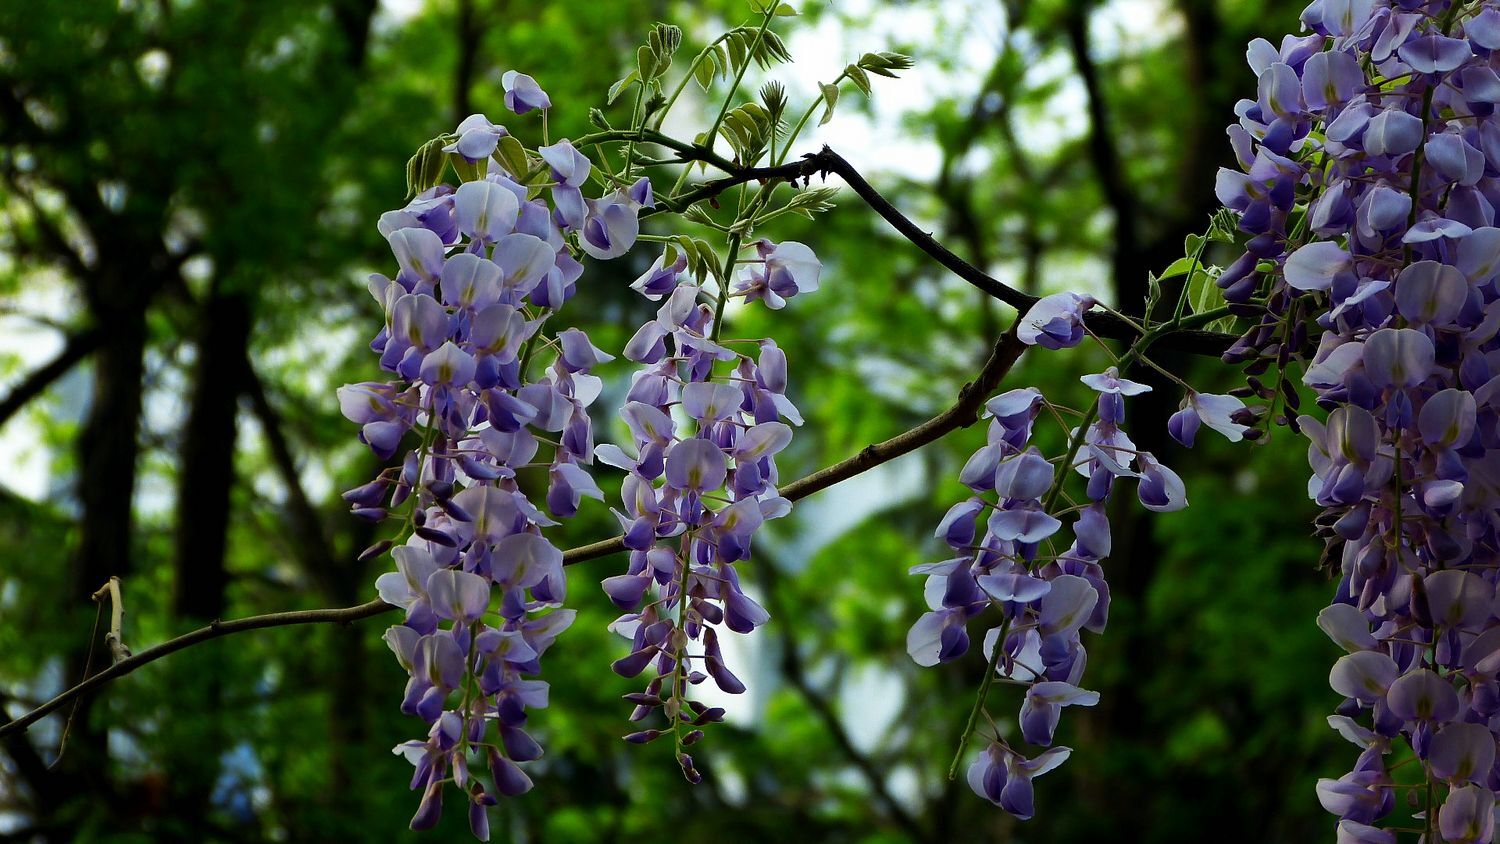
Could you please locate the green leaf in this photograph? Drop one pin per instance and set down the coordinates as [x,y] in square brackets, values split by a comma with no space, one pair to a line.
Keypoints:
[1224,226]
[1205,295]
[512,156]
[645,62]
[773,95]
[883,63]
[773,7]
[619,87]
[702,261]
[830,100]
[706,67]
[1192,243]
[748,130]
[739,49]
[858,76]
[653,104]
[411,175]
[467,171]
[1181,266]
[696,214]
[812,201]
[772,49]
[663,39]
[425,168]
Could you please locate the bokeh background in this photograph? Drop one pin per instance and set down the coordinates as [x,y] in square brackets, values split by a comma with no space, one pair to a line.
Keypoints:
[188,192]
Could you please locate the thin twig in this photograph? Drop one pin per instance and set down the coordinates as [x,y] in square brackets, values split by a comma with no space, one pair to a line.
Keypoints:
[343,615]
[88,665]
[114,638]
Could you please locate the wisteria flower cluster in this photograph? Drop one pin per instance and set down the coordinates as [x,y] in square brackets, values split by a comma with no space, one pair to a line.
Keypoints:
[1017,575]
[698,485]
[1367,186]
[482,269]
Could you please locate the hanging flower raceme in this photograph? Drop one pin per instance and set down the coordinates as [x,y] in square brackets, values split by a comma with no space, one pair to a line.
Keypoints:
[1367,187]
[706,426]
[483,390]
[1016,571]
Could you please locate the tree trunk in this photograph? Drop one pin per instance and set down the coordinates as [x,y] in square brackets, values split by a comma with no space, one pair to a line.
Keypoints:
[206,467]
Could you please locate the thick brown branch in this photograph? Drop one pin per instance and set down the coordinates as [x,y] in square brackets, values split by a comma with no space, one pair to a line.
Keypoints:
[961,414]
[343,615]
[825,161]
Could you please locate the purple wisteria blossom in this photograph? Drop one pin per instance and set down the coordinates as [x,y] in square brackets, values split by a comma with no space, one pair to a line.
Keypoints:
[1369,174]
[786,269]
[1014,569]
[1055,322]
[522,93]
[479,394]
[706,423]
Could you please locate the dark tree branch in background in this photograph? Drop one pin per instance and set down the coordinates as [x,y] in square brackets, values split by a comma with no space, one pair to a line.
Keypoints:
[51,236]
[312,543]
[1106,158]
[796,675]
[963,413]
[470,31]
[75,349]
[29,764]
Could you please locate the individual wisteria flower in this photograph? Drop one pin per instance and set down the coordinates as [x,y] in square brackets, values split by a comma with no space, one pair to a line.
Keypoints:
[1366,191]
[699,484]
[522,94]
[479,393]
[786,269]
[477,138]
[1215,411]
[1003,777]
[611,223]
[1055,322]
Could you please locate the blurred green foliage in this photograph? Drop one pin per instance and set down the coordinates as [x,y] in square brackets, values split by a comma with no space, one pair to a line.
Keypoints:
[161,160]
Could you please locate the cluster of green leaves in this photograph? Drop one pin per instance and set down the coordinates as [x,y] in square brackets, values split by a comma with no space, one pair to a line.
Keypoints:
[731,54]
[881,64]
[1198,290]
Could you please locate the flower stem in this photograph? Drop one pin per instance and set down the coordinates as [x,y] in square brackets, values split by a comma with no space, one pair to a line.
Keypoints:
[984,690]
